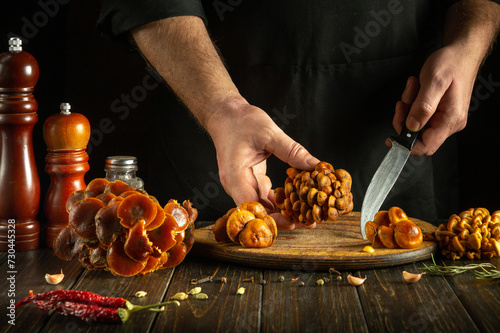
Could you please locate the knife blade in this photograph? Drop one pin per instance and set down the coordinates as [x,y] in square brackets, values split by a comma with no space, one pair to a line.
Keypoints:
[386,175]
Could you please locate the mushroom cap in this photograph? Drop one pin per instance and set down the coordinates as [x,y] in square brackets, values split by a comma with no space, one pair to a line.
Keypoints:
[236,222]
[137,245]
[396,215]
[382,218]
[118,187]
[386,236]
[256,233]
[67,244]
[135,208]
[81,217]
[179,213]
[108,226]
[97,186]
[408,235]
[372,235]
[120,263]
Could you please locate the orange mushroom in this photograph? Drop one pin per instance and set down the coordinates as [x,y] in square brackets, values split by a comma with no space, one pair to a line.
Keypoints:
[137,245]
[97,186]
[254,207]
[179,213]
[396,215]
[386,236]
[67,244]
[219,229]
[118,187]
[81,217]
[120,263]
[256,233]
[407,234]
[382,218]
[108,226]
[372,235]
[236,222]
[163,237]
[134,208]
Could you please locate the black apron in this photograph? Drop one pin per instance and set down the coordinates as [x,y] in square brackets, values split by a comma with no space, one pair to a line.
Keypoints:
[329,73]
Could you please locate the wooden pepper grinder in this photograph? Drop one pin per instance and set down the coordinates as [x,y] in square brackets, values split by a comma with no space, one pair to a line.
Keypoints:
[66,135]
[19,182]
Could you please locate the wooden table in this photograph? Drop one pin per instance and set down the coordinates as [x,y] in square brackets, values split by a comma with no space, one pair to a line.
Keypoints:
[384,303]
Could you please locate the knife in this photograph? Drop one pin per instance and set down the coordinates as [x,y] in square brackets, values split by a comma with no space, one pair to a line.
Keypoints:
[386,175]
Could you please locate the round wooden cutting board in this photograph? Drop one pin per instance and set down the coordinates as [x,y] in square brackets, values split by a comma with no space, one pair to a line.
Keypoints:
[335,244]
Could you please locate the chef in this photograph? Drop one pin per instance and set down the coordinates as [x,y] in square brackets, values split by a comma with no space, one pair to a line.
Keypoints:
[257,86]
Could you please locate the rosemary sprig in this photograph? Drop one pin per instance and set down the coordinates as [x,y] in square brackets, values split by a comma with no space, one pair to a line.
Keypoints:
[487,274]
[454,270]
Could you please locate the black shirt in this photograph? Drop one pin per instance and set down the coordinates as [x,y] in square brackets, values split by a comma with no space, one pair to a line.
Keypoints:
[328,72]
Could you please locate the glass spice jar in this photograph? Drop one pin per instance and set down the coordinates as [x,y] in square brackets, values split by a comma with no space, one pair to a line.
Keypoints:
[123,168]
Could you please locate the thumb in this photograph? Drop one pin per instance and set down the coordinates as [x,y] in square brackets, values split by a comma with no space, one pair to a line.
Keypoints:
[292,152]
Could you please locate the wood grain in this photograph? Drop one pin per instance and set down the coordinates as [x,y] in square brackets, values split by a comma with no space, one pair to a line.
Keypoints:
[331,244]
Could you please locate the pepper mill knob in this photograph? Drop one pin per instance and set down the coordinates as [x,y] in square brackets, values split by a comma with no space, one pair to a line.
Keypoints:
[66,135]
[19,182]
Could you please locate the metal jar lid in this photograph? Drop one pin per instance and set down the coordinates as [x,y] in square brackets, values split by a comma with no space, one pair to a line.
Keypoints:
[121,162]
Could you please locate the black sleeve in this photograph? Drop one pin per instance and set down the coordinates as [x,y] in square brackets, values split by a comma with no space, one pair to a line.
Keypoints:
[117,17]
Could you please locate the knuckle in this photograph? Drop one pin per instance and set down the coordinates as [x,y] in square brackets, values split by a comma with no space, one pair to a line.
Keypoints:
[425,109]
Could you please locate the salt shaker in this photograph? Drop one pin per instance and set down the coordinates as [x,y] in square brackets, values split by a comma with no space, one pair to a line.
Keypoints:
[123,168]
[19,182]
[66,135]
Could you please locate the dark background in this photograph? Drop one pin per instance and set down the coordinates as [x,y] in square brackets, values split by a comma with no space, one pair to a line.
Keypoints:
[94,74]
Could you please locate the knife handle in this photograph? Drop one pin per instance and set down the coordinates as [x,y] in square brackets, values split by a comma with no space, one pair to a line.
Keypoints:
[406,138]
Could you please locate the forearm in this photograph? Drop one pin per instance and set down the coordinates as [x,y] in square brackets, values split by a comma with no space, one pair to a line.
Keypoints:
[182,52]
[472,26]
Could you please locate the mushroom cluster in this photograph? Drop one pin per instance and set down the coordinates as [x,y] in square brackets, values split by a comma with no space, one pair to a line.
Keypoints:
[248,225]
[393,229]
[114,227]
[313,196]
[474,234]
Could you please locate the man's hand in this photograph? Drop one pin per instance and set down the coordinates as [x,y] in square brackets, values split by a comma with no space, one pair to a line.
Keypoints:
[437,104]
[182,52]
[244,138]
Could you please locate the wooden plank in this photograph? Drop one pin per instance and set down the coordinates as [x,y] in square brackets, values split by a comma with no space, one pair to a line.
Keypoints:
[478,296]
[289,307]
[337,244]
[30,269]
[106,284]
[224,310]
[430,305]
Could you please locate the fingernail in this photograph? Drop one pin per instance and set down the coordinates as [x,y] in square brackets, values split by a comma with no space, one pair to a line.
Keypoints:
[412,124]
[311,161]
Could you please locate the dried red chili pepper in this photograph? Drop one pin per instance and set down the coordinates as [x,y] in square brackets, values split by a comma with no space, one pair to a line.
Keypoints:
[111,309]
[84,297]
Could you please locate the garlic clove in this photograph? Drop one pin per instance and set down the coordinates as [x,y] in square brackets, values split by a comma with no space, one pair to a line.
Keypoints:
[411,277]
[54,278]
[355,281]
